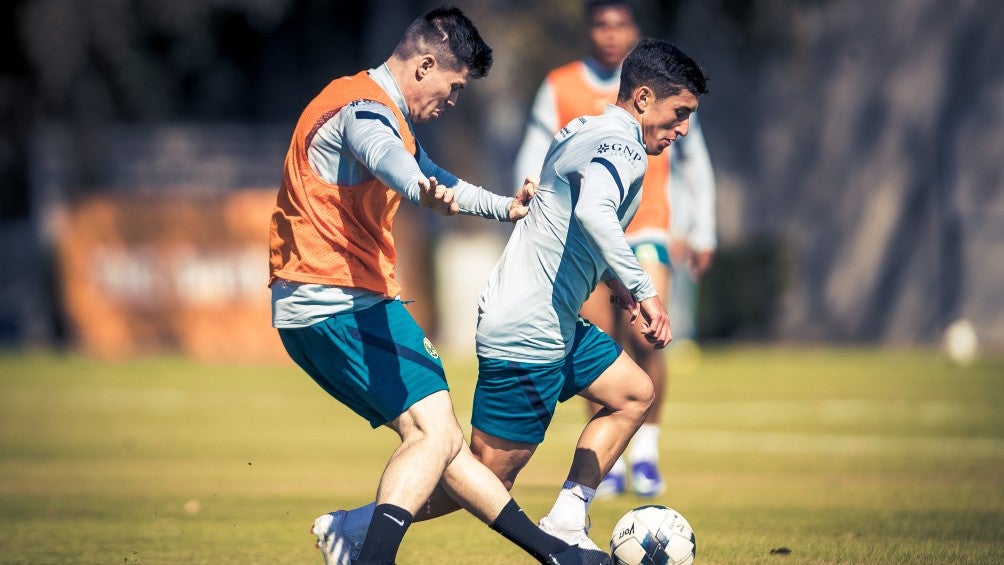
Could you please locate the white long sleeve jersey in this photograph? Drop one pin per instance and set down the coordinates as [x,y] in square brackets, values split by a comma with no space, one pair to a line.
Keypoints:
[572,238]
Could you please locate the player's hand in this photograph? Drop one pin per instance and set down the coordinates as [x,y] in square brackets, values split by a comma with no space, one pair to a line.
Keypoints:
[655,322]
[679,251]
[433,195]
[621,297]
[700,262]
[519,207]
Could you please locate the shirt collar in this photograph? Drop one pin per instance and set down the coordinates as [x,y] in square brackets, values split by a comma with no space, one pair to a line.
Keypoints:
[382,76]
[623,115]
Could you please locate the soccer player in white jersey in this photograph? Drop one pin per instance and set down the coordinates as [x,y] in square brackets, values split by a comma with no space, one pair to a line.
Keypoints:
[533,349]
[659,232]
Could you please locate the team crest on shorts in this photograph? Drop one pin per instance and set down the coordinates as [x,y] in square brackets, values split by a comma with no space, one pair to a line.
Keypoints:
[431,349]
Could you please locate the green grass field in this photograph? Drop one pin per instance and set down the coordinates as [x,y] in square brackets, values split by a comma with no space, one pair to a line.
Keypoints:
[843,456]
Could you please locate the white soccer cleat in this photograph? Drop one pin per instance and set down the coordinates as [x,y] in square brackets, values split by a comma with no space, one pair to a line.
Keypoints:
[590,552]
[334,544]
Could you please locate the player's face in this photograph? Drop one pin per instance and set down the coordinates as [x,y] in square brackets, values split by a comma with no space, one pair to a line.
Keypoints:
[438,89]
[666,119]
[612,35]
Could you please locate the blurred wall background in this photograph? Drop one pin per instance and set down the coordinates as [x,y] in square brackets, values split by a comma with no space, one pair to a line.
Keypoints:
[857,147]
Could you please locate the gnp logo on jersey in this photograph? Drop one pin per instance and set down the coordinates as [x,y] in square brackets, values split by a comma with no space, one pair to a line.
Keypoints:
[620,149]
[431,349]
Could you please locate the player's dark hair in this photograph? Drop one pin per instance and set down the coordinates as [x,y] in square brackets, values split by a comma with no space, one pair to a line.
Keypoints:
[662,67]
[451,37]
[592,6]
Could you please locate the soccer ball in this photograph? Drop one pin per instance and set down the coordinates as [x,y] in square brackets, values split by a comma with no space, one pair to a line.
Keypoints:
[653,535]
[961,343]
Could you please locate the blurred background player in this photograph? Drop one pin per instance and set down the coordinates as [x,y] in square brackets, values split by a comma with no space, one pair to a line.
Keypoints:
[584,87]
[692,235]
[336,303]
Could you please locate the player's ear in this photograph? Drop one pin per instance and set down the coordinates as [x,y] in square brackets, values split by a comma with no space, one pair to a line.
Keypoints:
[643,98]
[426,63]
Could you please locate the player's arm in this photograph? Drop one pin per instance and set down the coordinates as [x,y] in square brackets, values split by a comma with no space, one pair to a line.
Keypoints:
[475,200]
[694,164]
[369,130]
[539,133]
[605,185]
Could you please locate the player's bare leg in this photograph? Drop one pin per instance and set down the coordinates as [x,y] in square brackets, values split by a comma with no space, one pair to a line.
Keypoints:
[430,439]
[475,487]
[625,393]
[651,360]
[472,476]
[644,451]
[467,483]
[604,315]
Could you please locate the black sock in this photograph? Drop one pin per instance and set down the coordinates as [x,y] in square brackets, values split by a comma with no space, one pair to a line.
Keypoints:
[517,528]
[386,531]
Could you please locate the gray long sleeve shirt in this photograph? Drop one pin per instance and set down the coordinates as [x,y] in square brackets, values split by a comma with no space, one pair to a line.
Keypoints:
[572,238]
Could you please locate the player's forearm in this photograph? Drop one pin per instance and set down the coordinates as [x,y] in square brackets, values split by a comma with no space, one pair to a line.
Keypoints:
[476,201]
[604,232]
[472,199]
[397,169]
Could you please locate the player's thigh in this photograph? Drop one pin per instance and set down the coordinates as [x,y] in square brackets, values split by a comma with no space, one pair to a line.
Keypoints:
[505,458]
[377,361]
[515,401]
[593,351]
[598,309]
[623,384]
[660,274]
[654,258]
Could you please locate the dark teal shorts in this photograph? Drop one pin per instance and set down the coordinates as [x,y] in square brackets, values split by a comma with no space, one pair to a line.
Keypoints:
[651,252]
[516,401]
[377,361]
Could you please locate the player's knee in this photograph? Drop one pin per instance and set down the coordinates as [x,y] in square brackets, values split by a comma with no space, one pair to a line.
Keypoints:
[639,395]
[453,442]
[445,441]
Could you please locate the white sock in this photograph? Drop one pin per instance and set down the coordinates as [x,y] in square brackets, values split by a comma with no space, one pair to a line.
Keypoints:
[570,509]
[357,522]
[645,445]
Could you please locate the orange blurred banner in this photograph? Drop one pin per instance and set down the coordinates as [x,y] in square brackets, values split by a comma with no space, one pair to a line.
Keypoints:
[168,274]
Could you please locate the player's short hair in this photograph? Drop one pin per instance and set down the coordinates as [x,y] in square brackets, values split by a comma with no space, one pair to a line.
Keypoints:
[662,67]
[590,7]
[451,37]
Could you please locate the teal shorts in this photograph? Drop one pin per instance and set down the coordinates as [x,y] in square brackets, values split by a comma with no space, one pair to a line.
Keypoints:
[651,252]
[377,361]
[516,401]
